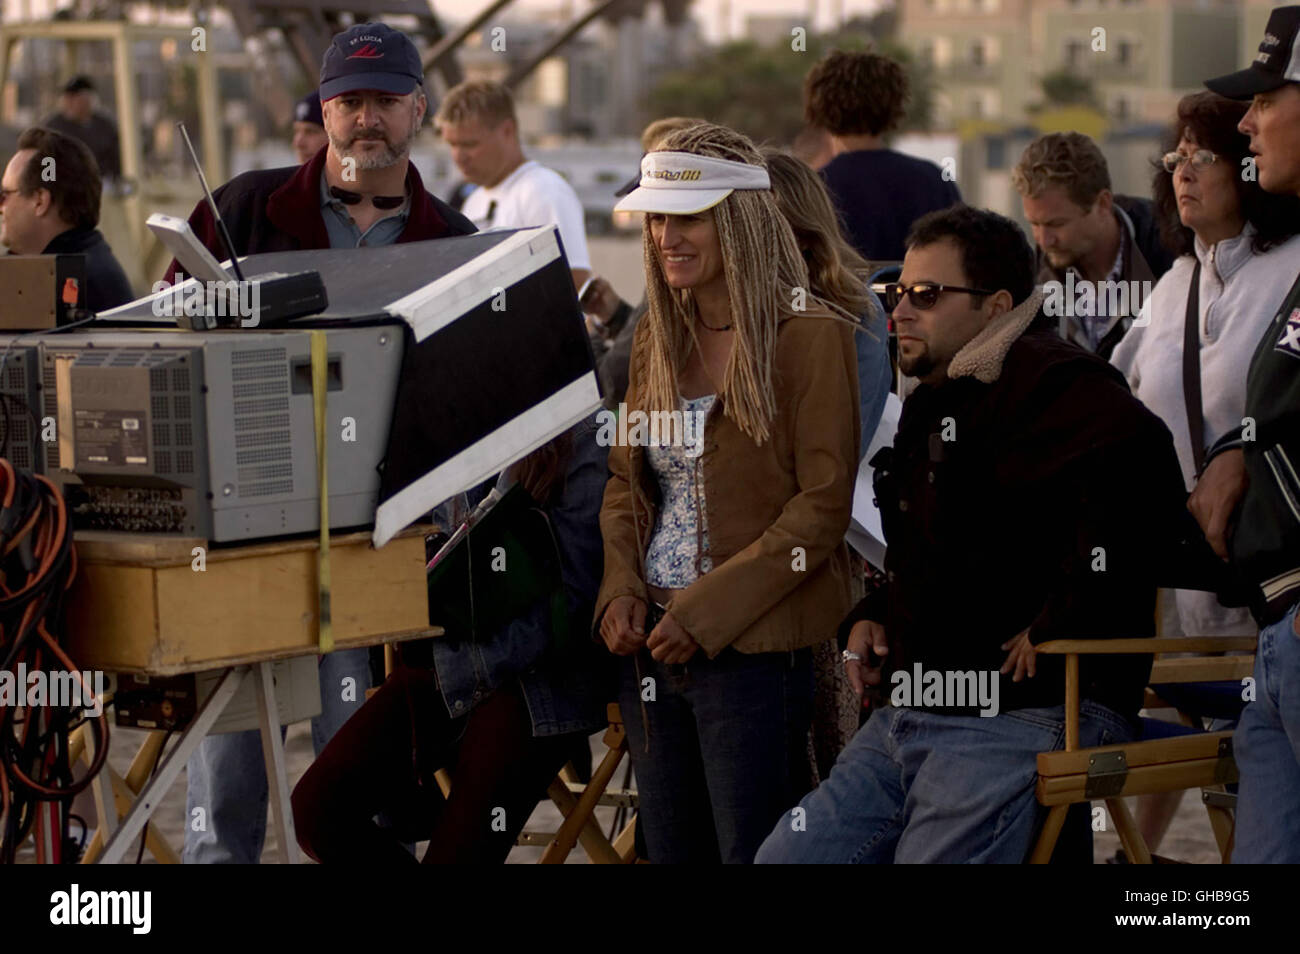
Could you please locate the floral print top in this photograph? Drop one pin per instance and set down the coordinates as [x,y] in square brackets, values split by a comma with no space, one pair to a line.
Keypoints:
[681,528]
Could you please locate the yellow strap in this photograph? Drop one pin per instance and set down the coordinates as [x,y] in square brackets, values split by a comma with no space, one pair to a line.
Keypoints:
[319,389]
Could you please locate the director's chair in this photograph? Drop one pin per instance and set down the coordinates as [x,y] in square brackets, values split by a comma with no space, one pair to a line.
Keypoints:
[1195,760]
[577,803]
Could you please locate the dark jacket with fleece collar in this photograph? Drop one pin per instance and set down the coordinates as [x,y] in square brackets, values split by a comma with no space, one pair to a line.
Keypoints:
[278,210]
[1030,490]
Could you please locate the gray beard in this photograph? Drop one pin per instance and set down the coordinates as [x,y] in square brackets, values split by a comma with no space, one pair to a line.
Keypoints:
[390,155]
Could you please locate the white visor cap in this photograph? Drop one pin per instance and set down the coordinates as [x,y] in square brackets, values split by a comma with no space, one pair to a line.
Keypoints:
[682,183]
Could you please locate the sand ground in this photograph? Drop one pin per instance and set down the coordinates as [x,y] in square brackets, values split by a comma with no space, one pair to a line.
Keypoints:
[1190,838]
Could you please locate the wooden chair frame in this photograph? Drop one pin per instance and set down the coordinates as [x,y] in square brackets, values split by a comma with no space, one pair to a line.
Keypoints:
[1111,772]
[578,802]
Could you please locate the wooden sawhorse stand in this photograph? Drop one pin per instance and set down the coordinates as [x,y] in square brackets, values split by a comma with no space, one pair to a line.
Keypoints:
[142,605]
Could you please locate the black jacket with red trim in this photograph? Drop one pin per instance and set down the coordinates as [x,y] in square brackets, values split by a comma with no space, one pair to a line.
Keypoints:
[278,210]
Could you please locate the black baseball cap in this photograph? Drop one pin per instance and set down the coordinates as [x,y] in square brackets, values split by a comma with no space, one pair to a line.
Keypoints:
[78,83]
[370,56]
[308,110]
[1277,63]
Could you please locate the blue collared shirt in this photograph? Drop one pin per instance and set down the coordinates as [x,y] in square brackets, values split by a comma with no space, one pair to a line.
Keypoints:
[343,232]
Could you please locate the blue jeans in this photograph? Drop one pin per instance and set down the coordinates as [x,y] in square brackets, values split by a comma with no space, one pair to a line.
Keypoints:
[226,775]
[727,754]
[1267,748]
[918,787]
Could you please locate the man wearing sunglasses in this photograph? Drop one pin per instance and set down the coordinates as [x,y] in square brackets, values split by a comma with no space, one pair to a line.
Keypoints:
[1028,496]
[361,190]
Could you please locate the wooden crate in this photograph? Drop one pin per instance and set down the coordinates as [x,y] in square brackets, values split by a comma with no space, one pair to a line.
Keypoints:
[138,605]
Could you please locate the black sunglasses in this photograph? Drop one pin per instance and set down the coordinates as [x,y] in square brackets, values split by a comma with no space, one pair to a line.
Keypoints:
[379,201]
[922,295]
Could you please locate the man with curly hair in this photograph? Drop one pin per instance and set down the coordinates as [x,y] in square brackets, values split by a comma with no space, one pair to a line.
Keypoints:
[858,98]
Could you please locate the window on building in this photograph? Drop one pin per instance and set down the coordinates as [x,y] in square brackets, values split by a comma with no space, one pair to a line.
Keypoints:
[942,51]
[1121,108]
[1126,52]
[995,153]
[1075,51]
[977,55]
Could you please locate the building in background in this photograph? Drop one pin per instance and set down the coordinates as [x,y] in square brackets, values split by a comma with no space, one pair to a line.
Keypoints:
[594,86]
[1157,51]
[771,29]
[980,51]
[990,56]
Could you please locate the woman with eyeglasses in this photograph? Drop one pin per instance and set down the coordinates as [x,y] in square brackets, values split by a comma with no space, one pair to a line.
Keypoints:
[724,551]
[1187,354]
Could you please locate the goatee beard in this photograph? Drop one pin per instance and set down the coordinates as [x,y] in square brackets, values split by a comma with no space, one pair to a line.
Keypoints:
[390,155]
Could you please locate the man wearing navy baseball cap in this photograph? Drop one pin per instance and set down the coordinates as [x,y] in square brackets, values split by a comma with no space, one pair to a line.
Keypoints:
[359,191]
[308,127]
[1248,496]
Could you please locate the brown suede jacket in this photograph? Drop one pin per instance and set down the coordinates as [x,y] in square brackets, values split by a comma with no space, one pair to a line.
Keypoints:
[776,514]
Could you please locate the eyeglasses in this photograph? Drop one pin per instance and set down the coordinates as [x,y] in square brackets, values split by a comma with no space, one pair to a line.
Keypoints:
[1200,159]
[922,295]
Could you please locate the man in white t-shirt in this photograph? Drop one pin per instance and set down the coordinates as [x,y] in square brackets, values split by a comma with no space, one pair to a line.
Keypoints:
[477,120]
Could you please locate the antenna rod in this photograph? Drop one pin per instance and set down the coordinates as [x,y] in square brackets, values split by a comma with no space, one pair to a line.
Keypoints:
[221,225]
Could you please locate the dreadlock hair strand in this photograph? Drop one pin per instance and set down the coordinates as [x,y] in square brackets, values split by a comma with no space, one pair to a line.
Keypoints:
[764,271]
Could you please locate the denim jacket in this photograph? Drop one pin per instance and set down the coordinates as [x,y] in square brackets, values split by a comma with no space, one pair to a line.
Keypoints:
[875,374]
[567,695]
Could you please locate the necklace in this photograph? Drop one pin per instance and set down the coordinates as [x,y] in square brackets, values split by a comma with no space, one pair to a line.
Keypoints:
[726,327]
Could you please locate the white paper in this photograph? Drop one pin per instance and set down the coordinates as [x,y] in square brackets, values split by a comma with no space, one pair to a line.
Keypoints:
[865,533]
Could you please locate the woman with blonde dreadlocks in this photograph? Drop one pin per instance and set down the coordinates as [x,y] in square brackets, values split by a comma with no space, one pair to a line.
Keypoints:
[724,540]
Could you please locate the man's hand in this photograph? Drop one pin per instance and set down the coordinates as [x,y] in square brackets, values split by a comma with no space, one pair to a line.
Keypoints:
[669,643]
[1216,496]
[865,636]
[623,625]
[1022,658]
[601,300]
